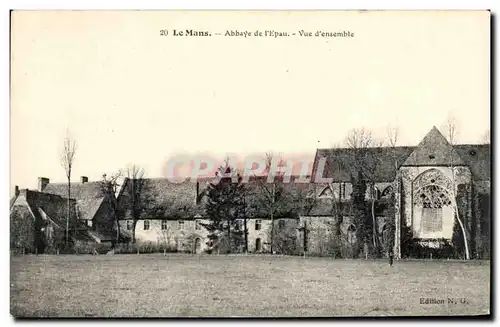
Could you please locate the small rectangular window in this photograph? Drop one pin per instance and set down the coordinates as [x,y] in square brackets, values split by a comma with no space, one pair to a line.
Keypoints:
[197,225]
[129,224]
[258,224]
[164,225]
[181,224]
[146,224]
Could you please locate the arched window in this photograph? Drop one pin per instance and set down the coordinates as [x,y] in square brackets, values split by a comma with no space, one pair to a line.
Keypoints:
[431,199]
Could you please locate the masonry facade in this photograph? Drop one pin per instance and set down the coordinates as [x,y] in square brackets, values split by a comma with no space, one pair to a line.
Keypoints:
[42,214]
[427,193]
[439,189]
[424,190]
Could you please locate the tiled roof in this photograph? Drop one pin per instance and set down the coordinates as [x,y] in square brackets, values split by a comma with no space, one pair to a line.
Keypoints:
[51,207]
[434,150]
[477,157]
[88,196]
[180,198]
[341,163]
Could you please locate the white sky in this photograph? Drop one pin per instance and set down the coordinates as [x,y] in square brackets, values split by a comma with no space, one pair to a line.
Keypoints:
[130,96]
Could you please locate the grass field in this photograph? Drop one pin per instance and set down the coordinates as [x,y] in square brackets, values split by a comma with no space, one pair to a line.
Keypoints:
[248,286]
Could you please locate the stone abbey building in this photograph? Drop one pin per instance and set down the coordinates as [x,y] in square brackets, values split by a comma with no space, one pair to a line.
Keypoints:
[426,194]
[430,183]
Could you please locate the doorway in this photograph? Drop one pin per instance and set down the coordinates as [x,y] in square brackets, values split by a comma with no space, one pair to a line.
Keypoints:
[197,245]
[258,245]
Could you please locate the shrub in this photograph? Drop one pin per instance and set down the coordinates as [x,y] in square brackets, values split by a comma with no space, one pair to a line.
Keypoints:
[144,247]
[86,247]
[22,231]
[285,240]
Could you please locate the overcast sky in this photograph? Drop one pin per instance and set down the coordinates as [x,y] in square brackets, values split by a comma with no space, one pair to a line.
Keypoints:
[130,96]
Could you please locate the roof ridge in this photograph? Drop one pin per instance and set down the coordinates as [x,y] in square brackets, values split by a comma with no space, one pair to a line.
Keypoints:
[371,147]
[78,183]
[472,144]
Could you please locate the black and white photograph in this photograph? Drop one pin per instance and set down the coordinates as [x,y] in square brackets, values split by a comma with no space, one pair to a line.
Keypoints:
[250,163]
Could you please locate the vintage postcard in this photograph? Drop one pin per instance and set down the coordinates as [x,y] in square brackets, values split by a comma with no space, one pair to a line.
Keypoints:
[250,164]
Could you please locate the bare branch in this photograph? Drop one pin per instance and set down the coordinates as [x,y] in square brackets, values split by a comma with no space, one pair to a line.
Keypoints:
[358,138]
[67,159]
[392,136]
[68,155]
[451,130]
[135,172]
[270,156]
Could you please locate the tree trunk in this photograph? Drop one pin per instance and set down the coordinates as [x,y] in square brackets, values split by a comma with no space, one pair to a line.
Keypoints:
[272,218]
[133,230]
[117,230]
[69,210]
[462,227]
[117,221]
[374,224]
[246,234]
[374,218]
[305,237]
[455,205]
[339,214]
[230,246]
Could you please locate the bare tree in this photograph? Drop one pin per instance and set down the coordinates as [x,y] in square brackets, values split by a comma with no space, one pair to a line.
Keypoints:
[392,134]
[108,188]
[366,161]
[304,200]
[224,208]
[451,128]
[138,194]
[392,137]
[272,194]
[335,166]
[359,139]
[67,161]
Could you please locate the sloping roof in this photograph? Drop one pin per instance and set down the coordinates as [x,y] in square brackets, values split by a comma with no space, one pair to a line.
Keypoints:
[13,200]
[434,150]
[51,207]
[179,199]
[88,196]
[477,157]
[341,163]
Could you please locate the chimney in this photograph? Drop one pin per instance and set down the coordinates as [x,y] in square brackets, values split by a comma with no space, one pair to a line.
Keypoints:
[84,179]
[42,183]
[16,190]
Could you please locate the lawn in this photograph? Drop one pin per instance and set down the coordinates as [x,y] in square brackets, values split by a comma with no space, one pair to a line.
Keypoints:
[248,286]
